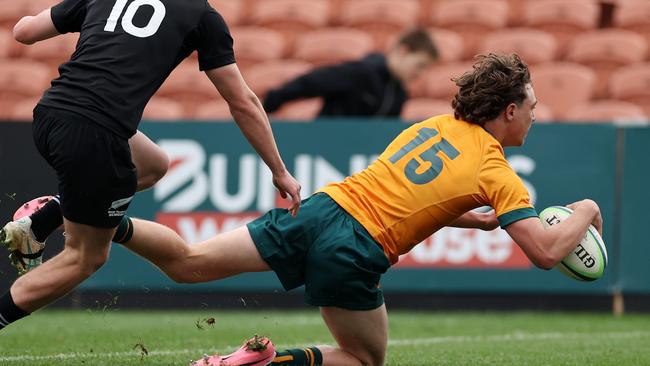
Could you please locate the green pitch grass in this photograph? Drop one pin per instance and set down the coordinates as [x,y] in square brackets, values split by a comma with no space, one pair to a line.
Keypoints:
[115,337]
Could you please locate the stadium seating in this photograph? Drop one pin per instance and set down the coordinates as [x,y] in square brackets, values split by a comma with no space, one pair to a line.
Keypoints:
[231,10]
[543,113]
[449,44]
[562,85]
[332,45]
[290,17]
[632,84]
[606,111]
[6,43]
[633,15]
[563,19]
[53,51]
[265,76]
[472,19]
[163,109]
[437,81]
[533,45]
[606,50]
[419,109]
[277,40]
[256,44]
[20,79]
[380,18]
[516,12]
[22,110]
[188,86]
[213,110]
[12,11]
[299,111]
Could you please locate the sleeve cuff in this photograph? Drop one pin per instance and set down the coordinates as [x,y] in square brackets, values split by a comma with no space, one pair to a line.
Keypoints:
[216,62]
[516,215]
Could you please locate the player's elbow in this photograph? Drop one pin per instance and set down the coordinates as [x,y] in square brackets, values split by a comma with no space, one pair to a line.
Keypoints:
[22,33]
[545,259]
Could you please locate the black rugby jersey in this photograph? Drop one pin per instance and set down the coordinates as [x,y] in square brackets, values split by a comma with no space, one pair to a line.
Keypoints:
[126,49]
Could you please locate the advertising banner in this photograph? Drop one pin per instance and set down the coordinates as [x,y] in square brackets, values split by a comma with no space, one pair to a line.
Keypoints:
[216,183]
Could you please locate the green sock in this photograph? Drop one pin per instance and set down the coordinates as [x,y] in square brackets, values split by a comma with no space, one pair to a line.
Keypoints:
[299,357]
[124,231]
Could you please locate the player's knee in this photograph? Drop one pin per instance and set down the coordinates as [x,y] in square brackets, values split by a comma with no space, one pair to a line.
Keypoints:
[368,357]
[181,274]
[155,170]
[91,263]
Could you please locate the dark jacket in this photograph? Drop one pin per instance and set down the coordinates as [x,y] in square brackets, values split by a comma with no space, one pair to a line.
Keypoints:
[356,88]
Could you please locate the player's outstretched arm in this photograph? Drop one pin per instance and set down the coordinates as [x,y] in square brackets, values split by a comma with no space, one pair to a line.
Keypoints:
[546,247]
[477,220]
[249,115]
[31,29]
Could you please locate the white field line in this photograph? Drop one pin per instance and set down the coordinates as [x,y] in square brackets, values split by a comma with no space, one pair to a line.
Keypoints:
[512,337]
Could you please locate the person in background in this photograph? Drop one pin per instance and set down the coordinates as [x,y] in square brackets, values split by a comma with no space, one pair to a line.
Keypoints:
[373,86]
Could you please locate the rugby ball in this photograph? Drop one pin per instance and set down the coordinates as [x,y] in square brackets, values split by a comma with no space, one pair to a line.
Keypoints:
[589,259]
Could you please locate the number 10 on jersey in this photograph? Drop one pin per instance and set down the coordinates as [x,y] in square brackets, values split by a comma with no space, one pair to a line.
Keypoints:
[127,20]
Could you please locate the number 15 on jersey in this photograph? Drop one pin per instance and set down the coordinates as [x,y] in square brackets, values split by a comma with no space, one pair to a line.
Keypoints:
[425,167]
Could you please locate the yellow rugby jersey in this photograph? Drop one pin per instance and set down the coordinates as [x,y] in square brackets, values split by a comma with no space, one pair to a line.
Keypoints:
[431,174]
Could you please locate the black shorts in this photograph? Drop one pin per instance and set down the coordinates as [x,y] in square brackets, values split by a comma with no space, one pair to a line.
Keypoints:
[97,178]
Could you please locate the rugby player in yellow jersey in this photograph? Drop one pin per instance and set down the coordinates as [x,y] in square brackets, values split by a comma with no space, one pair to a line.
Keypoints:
[349,233]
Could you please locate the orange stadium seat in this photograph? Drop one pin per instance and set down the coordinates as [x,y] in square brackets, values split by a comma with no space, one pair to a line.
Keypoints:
[20,79]
[562,85]
[419,109]
[12,11]
[163,109]
[564,19]
[437,81]
[23,110]
[215,110]
[332,45]
[449,44]
[256,44]
[188,86]
[299,111]
[543,113]
[6,43]
[633,15]
[383,19]
[607,111]
[516,12]
[268,75]
[53,51]
[534,46]
[294,15]
[632,84]
[472,19]
[231,10]
[291,17]
[606,50]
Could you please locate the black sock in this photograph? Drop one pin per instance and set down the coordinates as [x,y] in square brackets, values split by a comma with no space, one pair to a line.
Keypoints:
[299,357]
[9,312]
[47,219]
[124,231]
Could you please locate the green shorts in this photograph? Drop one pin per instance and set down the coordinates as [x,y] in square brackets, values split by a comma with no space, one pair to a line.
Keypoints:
[325,249]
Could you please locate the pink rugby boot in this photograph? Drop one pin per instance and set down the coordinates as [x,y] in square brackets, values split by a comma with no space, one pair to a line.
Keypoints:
[257,351]
[25,252]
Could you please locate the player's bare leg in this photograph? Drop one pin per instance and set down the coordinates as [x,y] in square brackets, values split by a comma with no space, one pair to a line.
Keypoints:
[151,162]
[25,239]
[362,336]
[222,256]
[86,250]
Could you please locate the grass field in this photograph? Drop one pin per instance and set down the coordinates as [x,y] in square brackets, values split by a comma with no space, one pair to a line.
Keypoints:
[172,338]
